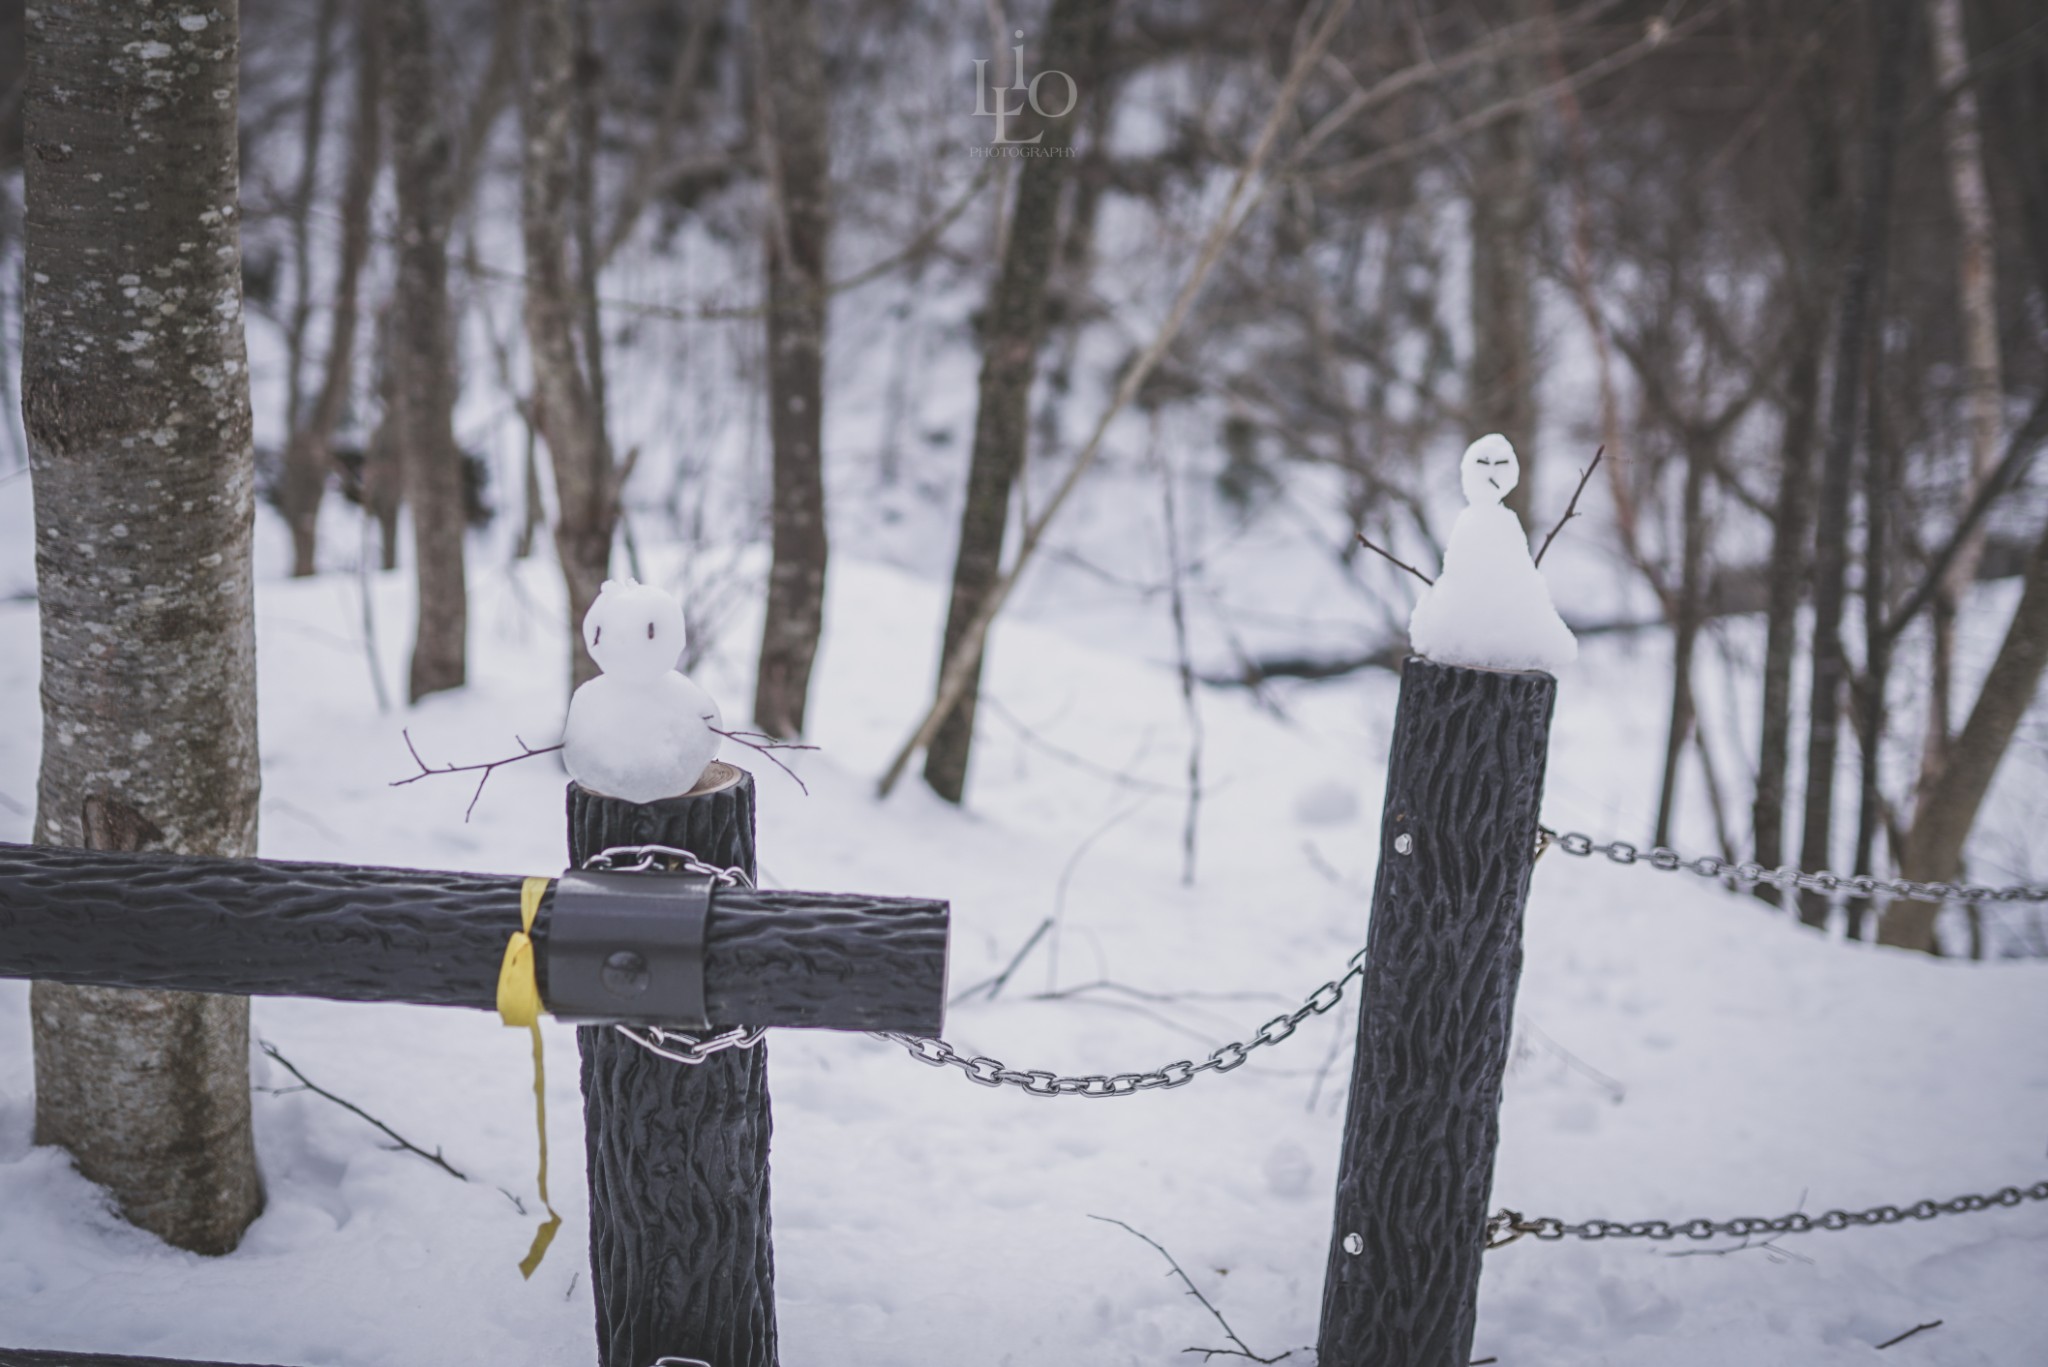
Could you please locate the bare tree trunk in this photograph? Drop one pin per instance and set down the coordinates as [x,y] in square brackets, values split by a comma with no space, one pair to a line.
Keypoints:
[565,402]
[136,400]
[1792,523]
[1977,285]
[1785,586]
[1504,206]
[1879,489]
[1862,282]
[1685,626]
[1942,821]
[794,112]
[422,358]
[1012,329]
[303,480]
[308,455]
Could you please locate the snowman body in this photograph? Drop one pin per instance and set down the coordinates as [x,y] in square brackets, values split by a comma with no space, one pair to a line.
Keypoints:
[1490,609]
[639,731]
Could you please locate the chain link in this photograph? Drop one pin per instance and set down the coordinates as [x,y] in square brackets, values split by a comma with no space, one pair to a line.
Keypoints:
[1710,866]
[1506,1226]
[676,1046]
[990,1072]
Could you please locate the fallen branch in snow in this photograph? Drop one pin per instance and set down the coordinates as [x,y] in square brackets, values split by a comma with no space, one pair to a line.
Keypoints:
[1393,559]
[1931,1324]
[1769,1247]
[402,1142]
[1571,509]
[489,767]
[767,745]
[1242,1350]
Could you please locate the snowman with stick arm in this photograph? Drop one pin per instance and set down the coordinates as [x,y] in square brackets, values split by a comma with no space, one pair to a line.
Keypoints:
[1490,608]
[641,730]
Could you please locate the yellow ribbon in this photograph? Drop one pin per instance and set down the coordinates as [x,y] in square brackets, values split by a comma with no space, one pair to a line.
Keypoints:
[518,993]
[519,1004]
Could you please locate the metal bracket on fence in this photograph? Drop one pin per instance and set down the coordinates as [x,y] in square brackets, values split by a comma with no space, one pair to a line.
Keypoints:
[629,947]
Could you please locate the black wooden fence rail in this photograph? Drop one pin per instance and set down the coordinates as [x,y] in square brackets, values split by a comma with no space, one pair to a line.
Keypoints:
[270,928]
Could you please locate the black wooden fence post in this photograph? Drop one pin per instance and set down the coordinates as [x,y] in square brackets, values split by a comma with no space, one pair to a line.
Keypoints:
[1458,837]
[680,1261]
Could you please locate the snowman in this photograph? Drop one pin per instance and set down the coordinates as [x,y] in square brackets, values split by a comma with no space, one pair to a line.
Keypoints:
[640,730]
[1490,608]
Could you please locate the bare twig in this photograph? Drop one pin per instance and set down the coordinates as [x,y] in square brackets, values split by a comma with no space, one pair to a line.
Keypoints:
[1059,890]
[1184,662]
[1242,1350]
[1393,559]
[990,987]
[1571,509]
[1931,1324]
[365,584]
[487,768]
[766,744]
[1031,737]
[435,1157]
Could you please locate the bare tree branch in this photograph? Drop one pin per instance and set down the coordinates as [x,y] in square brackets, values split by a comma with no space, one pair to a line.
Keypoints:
[959,665]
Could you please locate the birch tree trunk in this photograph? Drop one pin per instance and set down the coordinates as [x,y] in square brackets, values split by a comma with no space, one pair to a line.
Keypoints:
[1012,329]
[422,360]
[1976,298]
[136,401]
[565,401]
[794,112]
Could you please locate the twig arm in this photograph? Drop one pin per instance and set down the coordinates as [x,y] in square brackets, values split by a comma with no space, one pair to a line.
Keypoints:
[1571,509]
[1393,559]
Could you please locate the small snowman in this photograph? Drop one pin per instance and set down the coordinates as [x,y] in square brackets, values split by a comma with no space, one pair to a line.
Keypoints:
[641,730]
[1490,608]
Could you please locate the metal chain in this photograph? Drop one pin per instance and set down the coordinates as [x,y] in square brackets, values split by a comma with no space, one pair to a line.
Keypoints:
[676,1046]
[990,1072]
[1506,1226]
[1710,866]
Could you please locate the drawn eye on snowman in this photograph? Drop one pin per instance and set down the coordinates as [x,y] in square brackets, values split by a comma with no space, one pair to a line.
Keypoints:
[596,636]
[650,631]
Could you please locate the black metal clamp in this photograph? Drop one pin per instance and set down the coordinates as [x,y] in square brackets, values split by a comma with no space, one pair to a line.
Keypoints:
[629,948]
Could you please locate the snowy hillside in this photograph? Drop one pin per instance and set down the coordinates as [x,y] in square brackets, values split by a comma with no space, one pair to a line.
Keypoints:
[1681,1050]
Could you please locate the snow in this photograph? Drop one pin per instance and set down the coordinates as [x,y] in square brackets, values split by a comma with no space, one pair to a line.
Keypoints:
[1680,1050]
[1490,608]
[640,730]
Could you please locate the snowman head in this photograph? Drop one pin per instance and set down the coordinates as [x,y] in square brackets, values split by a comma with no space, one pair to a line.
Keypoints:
[634,630]
[1489,470]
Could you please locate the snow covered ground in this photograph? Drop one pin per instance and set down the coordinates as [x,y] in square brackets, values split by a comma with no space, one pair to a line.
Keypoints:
[1681,1051]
